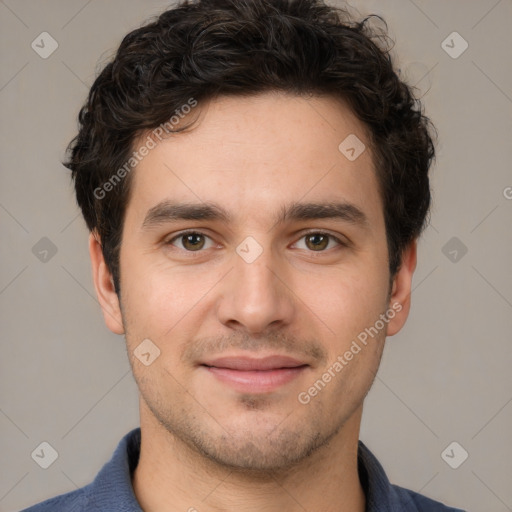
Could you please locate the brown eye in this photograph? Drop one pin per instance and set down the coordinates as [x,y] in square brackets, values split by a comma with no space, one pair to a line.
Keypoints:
[191,241]
[318,241]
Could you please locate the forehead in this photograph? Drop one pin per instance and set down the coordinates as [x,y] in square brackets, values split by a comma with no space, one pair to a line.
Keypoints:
[255,154]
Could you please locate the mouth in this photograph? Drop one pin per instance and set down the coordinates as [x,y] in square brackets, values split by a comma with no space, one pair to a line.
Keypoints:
[255,375]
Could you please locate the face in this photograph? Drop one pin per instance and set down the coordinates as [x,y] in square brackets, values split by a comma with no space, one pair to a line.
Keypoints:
[256,294]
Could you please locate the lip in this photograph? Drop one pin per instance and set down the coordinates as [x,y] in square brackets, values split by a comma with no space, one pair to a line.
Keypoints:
[255,375]
[244,363]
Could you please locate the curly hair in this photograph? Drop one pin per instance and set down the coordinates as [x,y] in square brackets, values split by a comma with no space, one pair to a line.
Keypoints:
[206,48]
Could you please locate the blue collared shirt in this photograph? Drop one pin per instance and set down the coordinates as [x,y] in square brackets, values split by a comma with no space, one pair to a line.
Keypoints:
[112,491]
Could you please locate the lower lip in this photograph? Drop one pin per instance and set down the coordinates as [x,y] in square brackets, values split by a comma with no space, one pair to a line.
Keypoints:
[256,381]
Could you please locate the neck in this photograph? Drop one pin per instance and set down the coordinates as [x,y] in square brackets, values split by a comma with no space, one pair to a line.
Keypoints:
[172,476]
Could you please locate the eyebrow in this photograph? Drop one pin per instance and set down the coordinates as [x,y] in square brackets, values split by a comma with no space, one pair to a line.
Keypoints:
[169,211]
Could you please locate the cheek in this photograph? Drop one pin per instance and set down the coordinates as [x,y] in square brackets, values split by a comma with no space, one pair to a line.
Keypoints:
[351,308]
[348,301]
[158,295]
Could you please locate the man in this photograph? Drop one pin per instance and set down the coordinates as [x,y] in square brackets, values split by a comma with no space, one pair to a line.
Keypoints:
[255,177]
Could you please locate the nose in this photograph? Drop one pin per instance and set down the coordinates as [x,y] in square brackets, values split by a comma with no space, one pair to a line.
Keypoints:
[257,295]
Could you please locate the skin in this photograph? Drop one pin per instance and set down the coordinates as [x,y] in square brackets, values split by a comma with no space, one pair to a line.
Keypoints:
[206,446]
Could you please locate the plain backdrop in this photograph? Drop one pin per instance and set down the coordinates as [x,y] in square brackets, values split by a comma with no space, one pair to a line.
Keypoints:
[445,378]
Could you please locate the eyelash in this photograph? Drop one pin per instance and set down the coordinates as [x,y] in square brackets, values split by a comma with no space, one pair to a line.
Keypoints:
[195,232]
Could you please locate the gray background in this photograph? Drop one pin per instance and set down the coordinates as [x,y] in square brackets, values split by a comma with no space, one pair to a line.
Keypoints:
[66,380]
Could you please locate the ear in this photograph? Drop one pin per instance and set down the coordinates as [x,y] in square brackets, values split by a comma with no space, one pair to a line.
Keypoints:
[400,300]
[104,286]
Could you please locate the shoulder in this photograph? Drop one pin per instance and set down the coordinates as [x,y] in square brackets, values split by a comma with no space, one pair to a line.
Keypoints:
[410,499]
[70,502]
[381,495]
[110,490]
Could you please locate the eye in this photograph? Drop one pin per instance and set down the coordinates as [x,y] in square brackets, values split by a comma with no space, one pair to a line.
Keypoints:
[192,241]
[318,241]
